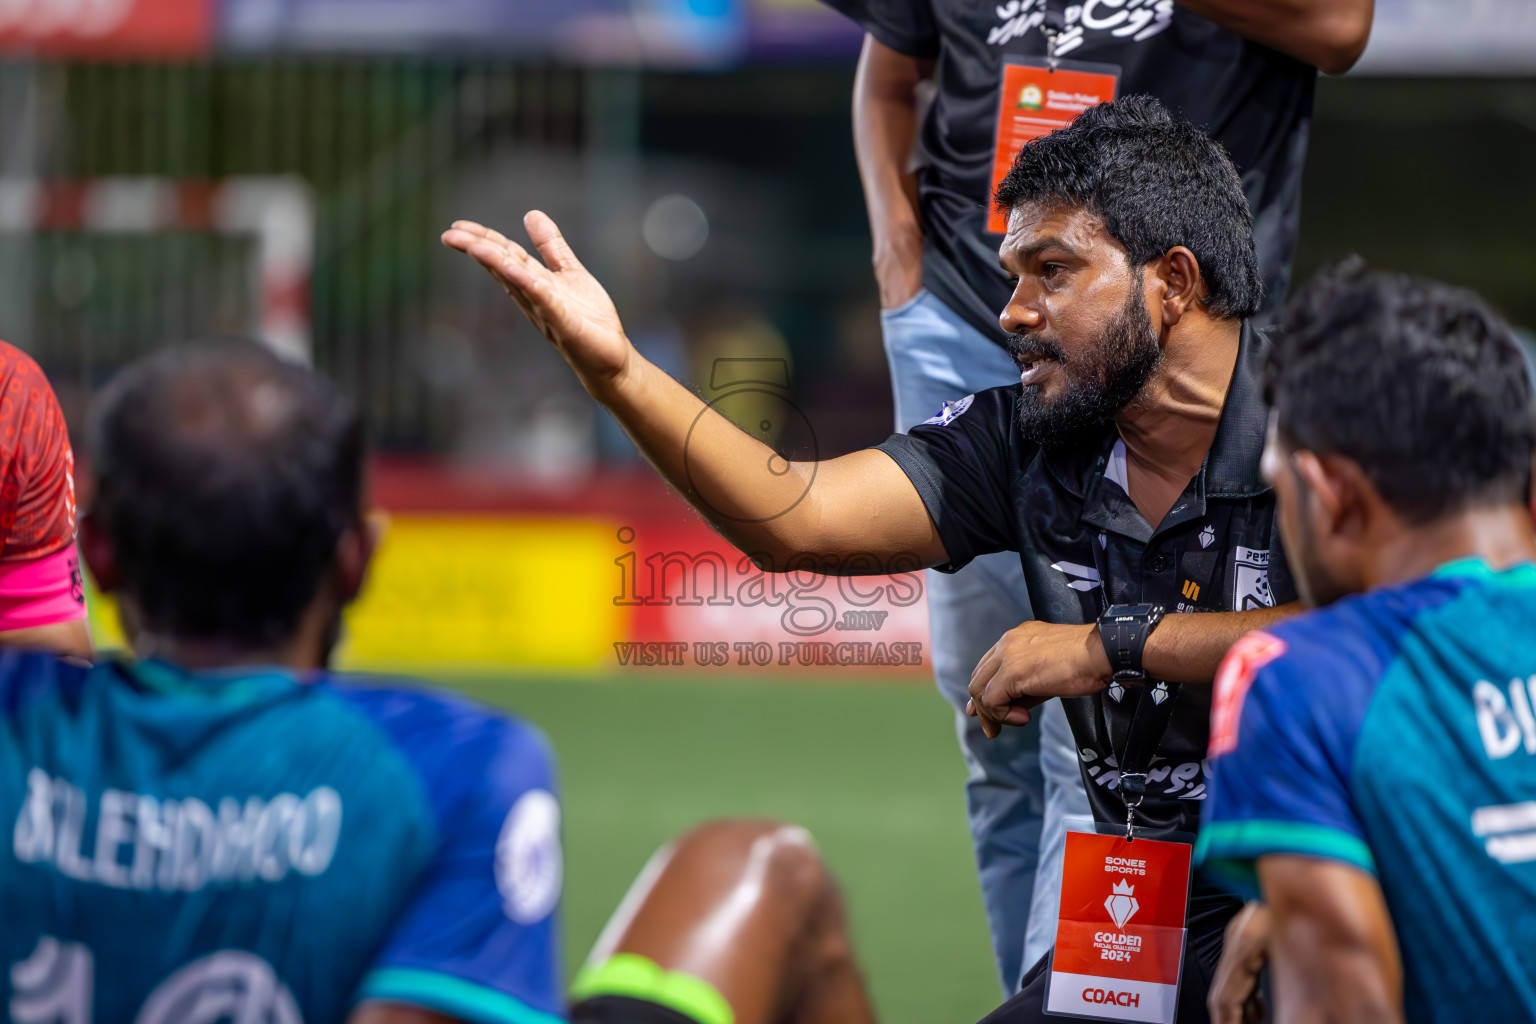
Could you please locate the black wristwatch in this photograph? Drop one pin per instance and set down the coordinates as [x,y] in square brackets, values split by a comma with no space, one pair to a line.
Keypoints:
[1124,628]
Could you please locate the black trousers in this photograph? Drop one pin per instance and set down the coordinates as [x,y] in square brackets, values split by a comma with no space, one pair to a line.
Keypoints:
[1209,913]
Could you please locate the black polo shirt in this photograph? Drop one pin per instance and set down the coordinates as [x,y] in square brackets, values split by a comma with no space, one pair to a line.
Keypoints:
[1085,546]
[1254,101]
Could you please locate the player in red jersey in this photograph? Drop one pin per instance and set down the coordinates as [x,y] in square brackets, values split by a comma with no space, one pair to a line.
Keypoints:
[42,600]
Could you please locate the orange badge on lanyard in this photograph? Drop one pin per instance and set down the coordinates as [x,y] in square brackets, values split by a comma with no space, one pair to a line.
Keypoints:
[1036,100]
[1120,936]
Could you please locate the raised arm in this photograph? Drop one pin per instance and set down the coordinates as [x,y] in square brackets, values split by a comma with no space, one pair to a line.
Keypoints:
[884,131]
[789,515]
[1328,34]
[1333,954]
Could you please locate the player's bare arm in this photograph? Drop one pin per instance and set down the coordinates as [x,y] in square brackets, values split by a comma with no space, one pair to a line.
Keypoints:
[1328,34]
[1332,949]
[786,514]
[1036,661]
[71,639]
[884,130]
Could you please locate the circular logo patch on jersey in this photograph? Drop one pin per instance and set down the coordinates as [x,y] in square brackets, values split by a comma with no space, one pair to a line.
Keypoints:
[529,868]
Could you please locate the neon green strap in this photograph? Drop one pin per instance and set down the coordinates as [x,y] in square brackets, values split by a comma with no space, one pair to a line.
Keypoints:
[635,976]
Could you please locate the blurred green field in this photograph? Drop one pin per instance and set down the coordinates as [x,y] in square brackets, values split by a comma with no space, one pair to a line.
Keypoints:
[871,769]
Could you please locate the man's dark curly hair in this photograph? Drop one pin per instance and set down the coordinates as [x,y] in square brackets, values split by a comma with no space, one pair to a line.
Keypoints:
[1156,183]
[1416,381]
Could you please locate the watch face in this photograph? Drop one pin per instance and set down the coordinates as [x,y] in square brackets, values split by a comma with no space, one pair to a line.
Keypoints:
[1139,611]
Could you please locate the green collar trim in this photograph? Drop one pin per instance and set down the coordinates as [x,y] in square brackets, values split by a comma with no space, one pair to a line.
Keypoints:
[1250,840]
[163,677]
[1474,567]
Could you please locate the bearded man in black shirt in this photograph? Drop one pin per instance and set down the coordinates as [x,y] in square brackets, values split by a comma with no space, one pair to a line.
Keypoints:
[1123,467]
[1242,69]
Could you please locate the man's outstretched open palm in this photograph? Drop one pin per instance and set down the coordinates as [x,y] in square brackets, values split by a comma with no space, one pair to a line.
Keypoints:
[558,295]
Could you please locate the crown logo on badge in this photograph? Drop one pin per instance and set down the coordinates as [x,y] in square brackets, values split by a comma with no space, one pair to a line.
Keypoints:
[1122,904]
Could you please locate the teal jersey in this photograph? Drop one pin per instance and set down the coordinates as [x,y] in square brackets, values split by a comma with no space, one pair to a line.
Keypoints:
[252,846]
[1394,731]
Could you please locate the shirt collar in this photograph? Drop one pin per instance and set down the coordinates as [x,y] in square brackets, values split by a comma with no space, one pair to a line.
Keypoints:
[1231,468]
[164,677]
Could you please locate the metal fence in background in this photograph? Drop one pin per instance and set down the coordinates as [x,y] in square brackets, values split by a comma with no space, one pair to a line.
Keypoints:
[374,142]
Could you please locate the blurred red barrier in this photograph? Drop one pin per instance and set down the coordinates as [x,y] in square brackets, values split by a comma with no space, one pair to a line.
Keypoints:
[107,28]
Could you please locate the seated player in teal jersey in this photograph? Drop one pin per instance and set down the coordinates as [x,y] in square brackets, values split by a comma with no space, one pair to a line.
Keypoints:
[1374,761]
[222,830]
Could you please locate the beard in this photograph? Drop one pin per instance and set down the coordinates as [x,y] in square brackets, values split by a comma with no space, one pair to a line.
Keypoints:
[1099,383]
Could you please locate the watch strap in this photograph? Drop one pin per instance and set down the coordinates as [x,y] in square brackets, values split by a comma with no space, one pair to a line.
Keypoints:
[1124,635]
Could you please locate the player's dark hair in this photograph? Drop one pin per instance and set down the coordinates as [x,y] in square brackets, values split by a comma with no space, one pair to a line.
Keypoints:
[1156,183]
[225,477]
[1417,382]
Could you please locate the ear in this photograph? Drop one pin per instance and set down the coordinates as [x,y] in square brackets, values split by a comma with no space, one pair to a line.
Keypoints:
[97,551]
[354,553]
[1183,288]
[1339,492]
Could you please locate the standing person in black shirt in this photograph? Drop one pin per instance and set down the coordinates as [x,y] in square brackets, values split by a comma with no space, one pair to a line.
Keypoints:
[1244,71]
[1123,467]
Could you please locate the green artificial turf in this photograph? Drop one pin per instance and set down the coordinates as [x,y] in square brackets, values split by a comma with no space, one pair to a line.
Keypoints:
[871,769]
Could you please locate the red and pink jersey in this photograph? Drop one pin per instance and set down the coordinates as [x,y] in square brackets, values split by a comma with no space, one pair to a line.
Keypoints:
[39,570]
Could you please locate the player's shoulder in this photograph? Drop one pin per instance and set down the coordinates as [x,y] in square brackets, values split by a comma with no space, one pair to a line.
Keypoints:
[28,677]
[20,374]
[402,703]
[16,364]
[449,739]
[1361,634]
[1336,656]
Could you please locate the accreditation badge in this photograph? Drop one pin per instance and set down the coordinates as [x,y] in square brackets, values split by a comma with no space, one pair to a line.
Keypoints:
[1035,100]
[1120,936]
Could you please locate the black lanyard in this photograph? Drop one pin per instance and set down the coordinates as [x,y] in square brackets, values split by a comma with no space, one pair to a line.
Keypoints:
[1053,25]
[1154,707]
[1154,710]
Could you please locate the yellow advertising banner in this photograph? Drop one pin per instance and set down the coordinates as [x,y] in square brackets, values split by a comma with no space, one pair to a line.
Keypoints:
[474,592]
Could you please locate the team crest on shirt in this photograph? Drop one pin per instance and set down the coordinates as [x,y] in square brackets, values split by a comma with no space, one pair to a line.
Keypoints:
[529,864]
[1250,579]
[949,412]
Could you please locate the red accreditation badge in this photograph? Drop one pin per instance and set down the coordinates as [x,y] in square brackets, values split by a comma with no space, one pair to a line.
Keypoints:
[1120,937]
[1035,101]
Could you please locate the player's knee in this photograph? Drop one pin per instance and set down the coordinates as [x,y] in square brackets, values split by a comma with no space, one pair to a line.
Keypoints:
[782,855]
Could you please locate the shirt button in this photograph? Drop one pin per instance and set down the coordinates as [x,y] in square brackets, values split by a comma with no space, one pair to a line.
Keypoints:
[1158,563]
